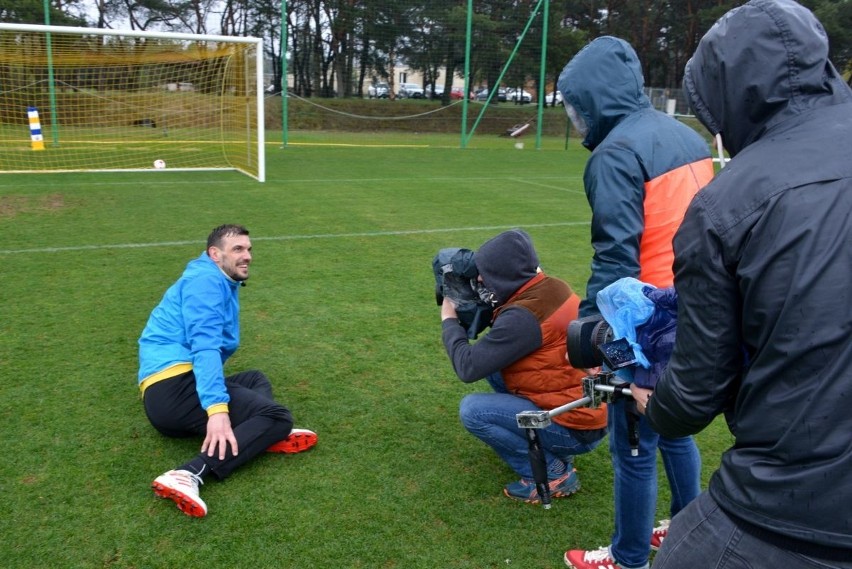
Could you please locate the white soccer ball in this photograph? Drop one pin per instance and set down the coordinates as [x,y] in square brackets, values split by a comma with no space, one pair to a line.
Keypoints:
[159,164]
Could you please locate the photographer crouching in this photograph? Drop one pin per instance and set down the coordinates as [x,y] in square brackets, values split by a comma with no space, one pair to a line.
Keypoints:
[522,357]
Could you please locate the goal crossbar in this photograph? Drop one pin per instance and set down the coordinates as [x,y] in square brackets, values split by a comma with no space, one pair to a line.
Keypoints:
[88,99]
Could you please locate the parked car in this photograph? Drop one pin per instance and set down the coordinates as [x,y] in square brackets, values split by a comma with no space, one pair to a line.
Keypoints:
[549,100]
[518,96]
[482,95]
[439,91]
[410,91]
[378,91]
[457,93]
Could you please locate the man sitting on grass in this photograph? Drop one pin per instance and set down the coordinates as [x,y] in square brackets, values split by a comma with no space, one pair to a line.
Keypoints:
[182,351]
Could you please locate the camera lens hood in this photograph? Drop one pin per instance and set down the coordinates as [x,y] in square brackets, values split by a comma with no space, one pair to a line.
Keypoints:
[584,337]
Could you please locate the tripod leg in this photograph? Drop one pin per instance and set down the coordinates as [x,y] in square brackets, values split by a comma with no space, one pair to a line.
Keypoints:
[539,467]
[633,418]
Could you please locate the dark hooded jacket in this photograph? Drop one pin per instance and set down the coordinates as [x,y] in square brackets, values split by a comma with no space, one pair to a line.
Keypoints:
[763,270]
[644,168]
[526,342]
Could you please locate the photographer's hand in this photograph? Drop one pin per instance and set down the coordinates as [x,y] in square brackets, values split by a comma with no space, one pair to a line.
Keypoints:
[448,309]
[642,397]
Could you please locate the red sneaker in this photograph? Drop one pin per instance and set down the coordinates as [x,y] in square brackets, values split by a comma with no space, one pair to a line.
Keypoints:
[297,441]
[659,534]
[597,559]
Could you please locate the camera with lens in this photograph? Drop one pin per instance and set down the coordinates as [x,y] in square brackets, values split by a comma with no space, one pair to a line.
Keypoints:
[591,343]
[643,317]
[456,278]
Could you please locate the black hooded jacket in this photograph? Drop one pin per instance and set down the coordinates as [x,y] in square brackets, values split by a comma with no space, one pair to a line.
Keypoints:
[763,270]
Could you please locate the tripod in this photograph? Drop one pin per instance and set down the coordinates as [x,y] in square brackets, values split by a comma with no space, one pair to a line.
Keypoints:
[600,388]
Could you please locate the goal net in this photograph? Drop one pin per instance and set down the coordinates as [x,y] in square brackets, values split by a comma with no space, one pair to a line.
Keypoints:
[80,99]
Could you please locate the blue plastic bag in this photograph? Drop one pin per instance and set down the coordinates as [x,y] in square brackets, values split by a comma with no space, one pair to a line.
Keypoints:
[657,335]
[647,318]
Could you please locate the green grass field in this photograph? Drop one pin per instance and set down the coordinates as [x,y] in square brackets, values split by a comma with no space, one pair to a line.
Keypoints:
[339,312]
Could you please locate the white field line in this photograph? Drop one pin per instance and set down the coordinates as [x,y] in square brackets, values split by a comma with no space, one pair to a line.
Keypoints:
[103,247]
[288,183]
[548,186]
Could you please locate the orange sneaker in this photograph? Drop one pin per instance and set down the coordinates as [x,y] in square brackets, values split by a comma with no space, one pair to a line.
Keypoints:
[526,491]
[297,441]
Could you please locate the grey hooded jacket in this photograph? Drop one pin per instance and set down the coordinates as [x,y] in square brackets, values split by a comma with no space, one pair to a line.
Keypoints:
[506,262]
[763,270]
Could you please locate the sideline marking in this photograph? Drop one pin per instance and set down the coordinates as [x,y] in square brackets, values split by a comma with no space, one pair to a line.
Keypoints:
[270,181]
[548,186]
[291,237]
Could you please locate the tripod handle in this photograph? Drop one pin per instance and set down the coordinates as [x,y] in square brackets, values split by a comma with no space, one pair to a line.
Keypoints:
[614,390]
[568,406]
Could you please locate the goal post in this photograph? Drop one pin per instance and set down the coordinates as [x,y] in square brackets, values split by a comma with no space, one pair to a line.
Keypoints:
[87,99]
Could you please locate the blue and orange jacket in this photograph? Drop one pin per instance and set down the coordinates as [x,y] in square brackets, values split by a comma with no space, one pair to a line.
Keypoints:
[644,169]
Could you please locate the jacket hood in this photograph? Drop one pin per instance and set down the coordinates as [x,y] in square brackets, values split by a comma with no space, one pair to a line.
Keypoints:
[758,65]
[203,264]
[506,262]
[604,84]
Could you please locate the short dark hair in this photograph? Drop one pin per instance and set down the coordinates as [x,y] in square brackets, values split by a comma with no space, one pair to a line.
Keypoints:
[217,235]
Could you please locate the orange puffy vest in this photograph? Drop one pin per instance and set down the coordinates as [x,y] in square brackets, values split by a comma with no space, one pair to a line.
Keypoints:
[544,376]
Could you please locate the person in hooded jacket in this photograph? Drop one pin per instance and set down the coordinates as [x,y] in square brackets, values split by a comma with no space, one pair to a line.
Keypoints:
[763,263]
[182,351]
[522,357]
[644,169]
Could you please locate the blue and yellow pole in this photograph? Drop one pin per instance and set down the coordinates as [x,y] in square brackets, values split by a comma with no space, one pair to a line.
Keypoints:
[35,129]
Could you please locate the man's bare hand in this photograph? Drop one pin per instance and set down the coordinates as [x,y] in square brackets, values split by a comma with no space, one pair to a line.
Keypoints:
[642,397]
[448,309]
[219,435]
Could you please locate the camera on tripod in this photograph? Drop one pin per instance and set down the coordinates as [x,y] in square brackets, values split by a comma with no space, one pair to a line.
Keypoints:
[591,343]
[642,317]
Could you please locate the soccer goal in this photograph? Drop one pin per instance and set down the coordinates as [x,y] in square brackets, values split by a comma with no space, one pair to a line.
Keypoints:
[81,99]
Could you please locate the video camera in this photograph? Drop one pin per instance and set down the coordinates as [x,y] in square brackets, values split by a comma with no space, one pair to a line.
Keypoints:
[590,342]
[642,317]
[456,278]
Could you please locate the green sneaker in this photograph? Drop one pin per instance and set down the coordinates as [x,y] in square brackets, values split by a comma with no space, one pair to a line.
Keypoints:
[525,490]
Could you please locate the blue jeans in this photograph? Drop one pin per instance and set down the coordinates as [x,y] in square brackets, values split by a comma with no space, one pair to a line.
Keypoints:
[491,418]
[635,483]
[704,537]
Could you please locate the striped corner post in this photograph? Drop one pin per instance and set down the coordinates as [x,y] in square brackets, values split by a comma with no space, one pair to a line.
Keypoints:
[35,129]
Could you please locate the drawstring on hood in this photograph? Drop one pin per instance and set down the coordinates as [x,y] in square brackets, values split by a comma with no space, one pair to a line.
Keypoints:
[506,262]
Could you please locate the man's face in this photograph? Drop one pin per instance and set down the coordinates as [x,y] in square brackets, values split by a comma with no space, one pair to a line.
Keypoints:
[233,257]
